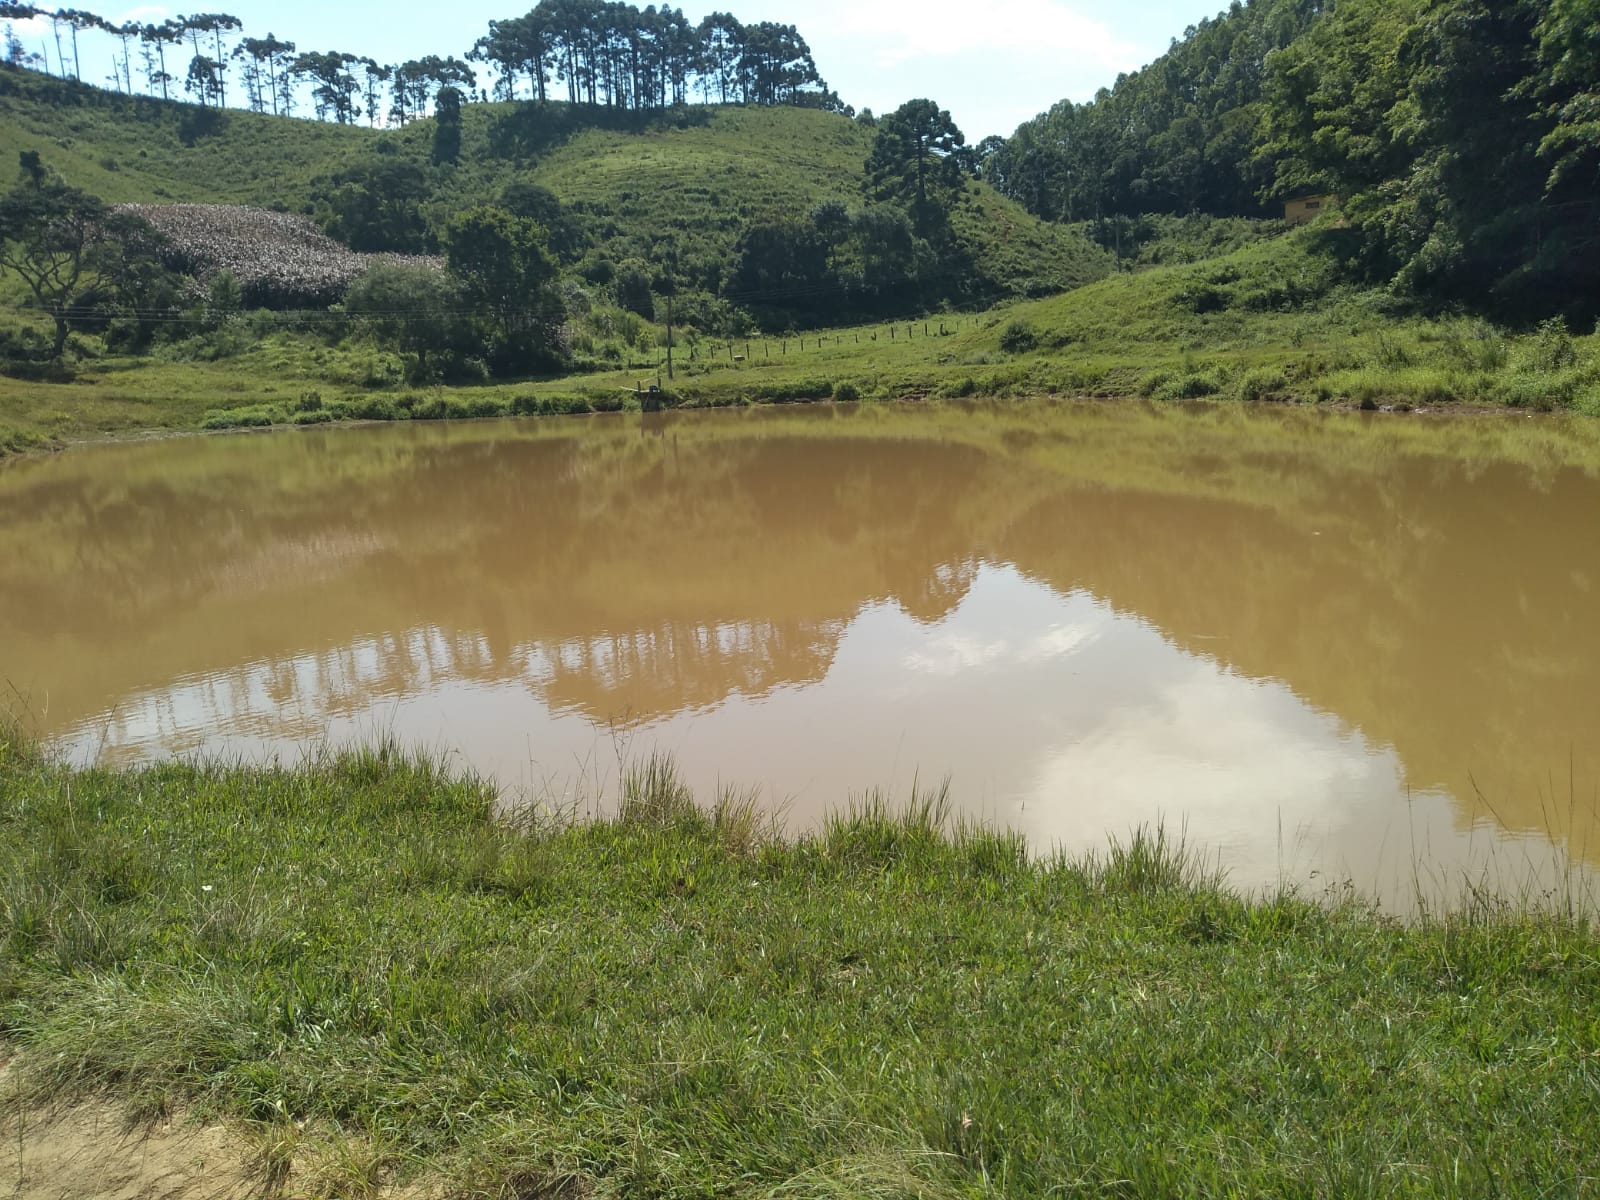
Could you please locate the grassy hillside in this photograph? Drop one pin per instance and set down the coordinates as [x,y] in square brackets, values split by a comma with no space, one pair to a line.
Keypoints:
[131,149]
[701,175]
[1261,317]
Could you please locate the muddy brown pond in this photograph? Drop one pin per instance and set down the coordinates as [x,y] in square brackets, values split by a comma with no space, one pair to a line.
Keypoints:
[1324,647]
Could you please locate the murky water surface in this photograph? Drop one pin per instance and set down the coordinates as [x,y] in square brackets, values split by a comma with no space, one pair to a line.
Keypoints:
[1326,646]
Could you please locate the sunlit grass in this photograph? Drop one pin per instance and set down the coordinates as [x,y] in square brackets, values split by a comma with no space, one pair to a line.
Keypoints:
[1127,336]
[358,961]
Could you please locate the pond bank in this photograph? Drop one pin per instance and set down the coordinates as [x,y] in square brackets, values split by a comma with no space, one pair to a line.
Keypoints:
[1131,336]
[20,448]
[675,1001]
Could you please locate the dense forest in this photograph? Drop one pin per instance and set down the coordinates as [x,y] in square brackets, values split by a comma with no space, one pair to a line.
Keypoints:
[1463,137]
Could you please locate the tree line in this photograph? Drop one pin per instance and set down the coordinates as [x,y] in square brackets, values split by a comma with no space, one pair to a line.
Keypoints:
[599,52]
[1461,136]
[617,55]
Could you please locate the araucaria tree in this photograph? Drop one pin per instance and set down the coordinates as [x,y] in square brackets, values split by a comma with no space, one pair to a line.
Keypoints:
[918,158]
[208,74]
[67,247]
[267,72]
[602,52]
[334,85]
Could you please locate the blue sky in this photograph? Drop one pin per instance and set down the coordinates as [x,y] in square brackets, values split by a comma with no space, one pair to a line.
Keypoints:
[992,63]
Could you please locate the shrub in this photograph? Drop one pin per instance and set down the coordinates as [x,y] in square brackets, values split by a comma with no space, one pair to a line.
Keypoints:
[1541,392]
[556,405]
[1260,383]
[371,408]
[1018,338]
[1155,382]
[1477,346]
[846,392]
[1193,386]
[1386,353]
[1551,348]
[1201,298]
[437,407]
[1006,382]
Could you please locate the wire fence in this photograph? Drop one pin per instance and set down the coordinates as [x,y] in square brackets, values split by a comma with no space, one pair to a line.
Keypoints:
[758,346]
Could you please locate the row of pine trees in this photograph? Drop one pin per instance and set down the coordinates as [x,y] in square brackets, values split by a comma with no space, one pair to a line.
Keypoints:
[597,52]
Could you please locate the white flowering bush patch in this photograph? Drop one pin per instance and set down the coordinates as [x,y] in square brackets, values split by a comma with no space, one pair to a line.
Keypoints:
[281,260]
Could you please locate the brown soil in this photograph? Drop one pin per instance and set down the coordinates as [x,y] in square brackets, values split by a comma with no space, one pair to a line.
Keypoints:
[89,1151]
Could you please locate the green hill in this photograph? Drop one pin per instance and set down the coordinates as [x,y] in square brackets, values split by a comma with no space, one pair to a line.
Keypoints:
[1460,136]
[701,176]
[134,149]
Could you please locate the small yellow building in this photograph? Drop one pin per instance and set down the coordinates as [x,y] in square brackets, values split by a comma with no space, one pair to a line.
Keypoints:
[1307,208]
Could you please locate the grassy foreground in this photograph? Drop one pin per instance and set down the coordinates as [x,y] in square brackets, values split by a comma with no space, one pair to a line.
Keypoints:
[353,957]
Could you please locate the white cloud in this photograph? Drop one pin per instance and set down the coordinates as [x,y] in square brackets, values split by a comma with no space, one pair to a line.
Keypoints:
[991,64]
[948,28]
[947,652]
[1245,765]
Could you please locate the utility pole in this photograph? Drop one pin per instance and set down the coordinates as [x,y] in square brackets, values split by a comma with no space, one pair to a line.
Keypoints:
[670,255]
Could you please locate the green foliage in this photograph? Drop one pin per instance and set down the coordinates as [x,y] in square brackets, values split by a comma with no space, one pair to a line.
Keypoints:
[447,126]
[1018,337]
[1567,86]
[73,254]
[1288,327]
[335,89]
[377,204]
[1158,239]
[416,309]
[224,297]
[607,185]
[1552,348]
[564,233]
[1261,383]
[631,286]
[1461,136]
[506,271]
[918,158]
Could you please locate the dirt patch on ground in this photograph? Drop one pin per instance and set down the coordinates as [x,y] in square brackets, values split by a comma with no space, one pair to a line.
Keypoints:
[89,1151]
